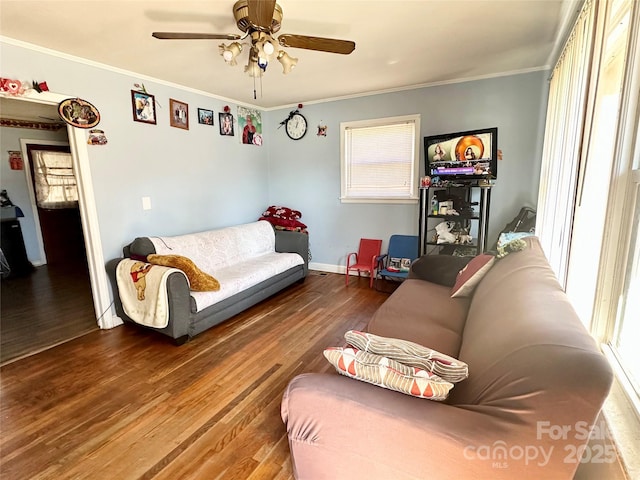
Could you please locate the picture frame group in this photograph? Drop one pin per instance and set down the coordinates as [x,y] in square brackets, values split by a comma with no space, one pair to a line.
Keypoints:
[143,107]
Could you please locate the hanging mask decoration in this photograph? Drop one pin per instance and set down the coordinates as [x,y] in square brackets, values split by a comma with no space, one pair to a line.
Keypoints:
[322,130]
[97,137]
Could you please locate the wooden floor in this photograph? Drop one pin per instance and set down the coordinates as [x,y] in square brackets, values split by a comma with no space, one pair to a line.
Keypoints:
[42,309]
[128,404]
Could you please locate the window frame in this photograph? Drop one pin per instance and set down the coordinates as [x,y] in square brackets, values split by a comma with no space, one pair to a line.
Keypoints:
[415,168]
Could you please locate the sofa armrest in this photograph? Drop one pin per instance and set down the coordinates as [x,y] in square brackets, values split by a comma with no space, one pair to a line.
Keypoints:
[141,246]
[179,297]
[294,242]
[440,269]
[343,428]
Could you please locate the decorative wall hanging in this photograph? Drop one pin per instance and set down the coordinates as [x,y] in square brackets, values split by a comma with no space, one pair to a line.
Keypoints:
[205,117]
[40,86]
[322,130]
[97,137]
[12,87]
[250,121]
[13,123]
[15,160]
[178,114]
[78,113]
[226,124]
[144,107]
[16,87]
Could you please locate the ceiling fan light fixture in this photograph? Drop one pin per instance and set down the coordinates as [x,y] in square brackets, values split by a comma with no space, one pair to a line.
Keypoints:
[253,69]
[288,62]
[230,52]
[268,46]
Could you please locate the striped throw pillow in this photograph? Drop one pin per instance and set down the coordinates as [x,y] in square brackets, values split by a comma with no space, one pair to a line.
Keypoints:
[387,373]
[409,353]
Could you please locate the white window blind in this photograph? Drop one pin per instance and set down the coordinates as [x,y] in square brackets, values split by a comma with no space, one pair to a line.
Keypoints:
[55,182]
[563,136]
[379,160]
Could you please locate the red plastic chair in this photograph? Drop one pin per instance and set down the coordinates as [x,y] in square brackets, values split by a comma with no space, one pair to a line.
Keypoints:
[365,259]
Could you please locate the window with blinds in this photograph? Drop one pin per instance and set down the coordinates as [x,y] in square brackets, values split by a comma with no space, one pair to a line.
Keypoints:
[55,181]
[563,136]
[379,160]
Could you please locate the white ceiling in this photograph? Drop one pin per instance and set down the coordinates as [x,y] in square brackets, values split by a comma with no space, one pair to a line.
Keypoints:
[399,44]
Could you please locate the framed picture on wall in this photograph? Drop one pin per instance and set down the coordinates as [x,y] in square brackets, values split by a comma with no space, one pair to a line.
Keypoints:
[205,117]
[226,124]
[144,107]
[178,114]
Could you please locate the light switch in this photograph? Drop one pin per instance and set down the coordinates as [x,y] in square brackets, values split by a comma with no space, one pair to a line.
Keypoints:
[146,203]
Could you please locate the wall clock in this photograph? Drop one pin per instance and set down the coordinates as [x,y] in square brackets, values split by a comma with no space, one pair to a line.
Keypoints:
[296,126]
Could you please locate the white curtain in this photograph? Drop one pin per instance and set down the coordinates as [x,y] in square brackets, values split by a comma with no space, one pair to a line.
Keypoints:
[562,140]
[55,182]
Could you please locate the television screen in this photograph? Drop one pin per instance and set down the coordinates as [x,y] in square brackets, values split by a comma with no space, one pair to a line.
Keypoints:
[462,155]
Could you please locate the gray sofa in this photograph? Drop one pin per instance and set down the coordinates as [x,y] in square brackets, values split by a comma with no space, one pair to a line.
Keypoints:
[185,320]
[536,384]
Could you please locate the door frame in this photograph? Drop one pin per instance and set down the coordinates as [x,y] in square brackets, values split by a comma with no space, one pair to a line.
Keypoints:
[88,213]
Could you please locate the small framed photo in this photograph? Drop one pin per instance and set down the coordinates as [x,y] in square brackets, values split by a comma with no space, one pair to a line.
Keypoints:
[178,114]
[226,124]
[144,107]
[205,117]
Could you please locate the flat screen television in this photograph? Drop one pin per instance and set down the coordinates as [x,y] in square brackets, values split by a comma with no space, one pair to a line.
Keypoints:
[460,156]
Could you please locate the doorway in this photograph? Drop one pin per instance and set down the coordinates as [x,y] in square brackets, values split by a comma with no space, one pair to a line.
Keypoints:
[55,188]
[52,303]
[92,297]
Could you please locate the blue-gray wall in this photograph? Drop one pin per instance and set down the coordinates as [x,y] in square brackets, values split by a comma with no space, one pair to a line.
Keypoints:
[199,180]
[305,174]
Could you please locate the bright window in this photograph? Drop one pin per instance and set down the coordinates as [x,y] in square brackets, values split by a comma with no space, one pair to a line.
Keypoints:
[379,160]
[628,324]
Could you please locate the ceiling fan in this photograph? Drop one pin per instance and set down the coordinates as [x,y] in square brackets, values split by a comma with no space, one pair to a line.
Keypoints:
[260,20]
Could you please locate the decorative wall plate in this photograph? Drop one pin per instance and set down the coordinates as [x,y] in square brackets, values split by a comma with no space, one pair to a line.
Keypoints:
[79,113]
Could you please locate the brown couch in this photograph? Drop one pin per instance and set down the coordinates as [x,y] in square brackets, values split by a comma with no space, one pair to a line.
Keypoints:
[536,384]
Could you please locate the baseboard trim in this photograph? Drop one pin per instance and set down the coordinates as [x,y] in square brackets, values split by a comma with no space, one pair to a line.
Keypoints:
[327,267]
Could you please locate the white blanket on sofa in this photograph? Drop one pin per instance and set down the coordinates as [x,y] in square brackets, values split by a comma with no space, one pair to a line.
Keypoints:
[143,292]
[238,257]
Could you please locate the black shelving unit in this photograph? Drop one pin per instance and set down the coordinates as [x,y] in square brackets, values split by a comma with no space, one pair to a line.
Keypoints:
[477,220]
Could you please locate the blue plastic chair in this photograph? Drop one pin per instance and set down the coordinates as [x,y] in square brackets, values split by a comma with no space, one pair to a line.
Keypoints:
[403,250]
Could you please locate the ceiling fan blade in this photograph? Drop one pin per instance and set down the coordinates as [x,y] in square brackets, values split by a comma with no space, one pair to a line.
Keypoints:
[331,45]
[194,36]
[261,13]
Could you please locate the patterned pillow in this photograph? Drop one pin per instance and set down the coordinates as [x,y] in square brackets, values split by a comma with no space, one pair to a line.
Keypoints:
[286,213]
[514,245]
[387,373]
[199,281]
[469,277]
[411,354]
